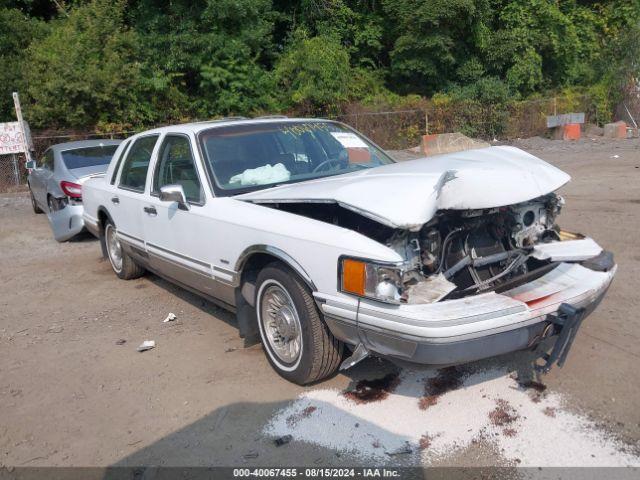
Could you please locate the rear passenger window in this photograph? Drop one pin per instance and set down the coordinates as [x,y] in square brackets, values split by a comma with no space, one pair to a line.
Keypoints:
[176,166]
[134,169]
[118,162]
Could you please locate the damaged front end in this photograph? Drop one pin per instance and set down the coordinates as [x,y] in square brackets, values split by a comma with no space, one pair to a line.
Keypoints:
[457,253]
[467,252]
[475,263]
[471,283]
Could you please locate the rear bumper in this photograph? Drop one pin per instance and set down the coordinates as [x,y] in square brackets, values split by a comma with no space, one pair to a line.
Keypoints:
[67,222]
[471,328]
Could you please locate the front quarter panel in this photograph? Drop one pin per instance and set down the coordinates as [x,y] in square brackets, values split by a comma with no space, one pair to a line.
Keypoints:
[235,226]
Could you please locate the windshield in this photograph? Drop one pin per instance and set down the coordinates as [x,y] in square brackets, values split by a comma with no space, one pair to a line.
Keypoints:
[89,156]
[252,156]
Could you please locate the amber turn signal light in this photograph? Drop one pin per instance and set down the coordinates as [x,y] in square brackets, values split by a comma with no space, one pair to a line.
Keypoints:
[353,276]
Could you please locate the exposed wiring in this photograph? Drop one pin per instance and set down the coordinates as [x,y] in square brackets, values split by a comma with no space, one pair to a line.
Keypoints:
[443,253]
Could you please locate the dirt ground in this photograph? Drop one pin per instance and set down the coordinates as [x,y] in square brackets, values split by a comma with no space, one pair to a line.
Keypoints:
[75,392]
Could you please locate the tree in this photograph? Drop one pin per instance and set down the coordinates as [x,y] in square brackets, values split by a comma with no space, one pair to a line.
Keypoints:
[18,31]
[314,74]
[87,71]
[432,41]
[215,52]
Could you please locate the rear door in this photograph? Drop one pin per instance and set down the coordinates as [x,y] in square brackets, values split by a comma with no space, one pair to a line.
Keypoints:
[126,205]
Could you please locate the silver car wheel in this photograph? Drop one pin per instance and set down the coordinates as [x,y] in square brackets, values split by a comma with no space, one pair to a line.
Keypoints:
[280,322]
[114,249]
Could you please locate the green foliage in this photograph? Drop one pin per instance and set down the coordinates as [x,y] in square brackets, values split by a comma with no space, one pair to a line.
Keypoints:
[214,52]
[314,73]
[525,75]
[18,31]
[87,71]
[480,109]
[432,40]
[140,62]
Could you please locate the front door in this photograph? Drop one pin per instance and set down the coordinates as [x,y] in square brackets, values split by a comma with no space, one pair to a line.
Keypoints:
[177,235]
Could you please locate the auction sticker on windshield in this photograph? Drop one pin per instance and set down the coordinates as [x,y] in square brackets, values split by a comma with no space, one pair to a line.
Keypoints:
[349,140]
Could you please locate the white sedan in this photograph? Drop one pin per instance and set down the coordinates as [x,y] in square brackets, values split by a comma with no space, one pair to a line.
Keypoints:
[327,248]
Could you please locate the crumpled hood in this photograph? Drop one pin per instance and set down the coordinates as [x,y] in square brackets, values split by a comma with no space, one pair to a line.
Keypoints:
[408,194]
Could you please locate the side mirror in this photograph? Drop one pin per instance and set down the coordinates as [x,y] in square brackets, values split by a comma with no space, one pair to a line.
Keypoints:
[174,193]
[30,165]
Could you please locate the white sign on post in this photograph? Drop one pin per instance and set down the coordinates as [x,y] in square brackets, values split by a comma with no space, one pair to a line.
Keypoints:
[26,134]
[11,138]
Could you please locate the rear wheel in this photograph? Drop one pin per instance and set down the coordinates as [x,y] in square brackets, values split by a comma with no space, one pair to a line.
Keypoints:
[298,344]
[121,263]
[34,204]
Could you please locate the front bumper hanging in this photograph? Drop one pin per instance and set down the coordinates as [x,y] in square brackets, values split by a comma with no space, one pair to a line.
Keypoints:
[567,320]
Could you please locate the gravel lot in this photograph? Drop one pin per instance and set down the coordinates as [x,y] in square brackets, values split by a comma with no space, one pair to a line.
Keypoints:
[75,392]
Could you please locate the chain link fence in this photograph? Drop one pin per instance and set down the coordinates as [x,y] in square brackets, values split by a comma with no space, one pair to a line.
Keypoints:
[400,129]
[392,129]
[12,172]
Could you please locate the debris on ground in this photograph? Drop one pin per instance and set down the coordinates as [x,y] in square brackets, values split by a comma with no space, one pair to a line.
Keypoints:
[230,349]
[532,384]
[403,450]
[292,420]
[55,329]
[170,318]
[146,345]
[425,441]
[121,341]
[503,414]
[537,387]
[373,390]
[448,379]
[283,440]
[251,454]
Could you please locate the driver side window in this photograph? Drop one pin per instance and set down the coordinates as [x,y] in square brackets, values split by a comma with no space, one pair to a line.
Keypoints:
[176,166]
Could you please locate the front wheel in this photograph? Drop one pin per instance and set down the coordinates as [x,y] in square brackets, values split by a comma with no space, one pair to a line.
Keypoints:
[298,343]
[121,263]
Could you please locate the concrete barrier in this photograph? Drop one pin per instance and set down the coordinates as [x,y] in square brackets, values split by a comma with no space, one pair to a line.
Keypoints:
[615,130]
[570,131]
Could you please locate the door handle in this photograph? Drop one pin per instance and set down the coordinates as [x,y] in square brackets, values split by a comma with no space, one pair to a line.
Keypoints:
[115,200]
[150,210]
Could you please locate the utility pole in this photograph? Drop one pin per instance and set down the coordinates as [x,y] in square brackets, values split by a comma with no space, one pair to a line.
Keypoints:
[25,143]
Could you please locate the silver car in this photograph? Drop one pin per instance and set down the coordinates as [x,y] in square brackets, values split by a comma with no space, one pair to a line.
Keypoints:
[55,182]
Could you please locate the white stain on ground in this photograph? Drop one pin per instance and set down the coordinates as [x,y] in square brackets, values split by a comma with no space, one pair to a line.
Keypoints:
[529,428]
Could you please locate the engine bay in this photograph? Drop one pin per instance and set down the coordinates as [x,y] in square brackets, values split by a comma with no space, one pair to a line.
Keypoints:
[459,252]
[478,250]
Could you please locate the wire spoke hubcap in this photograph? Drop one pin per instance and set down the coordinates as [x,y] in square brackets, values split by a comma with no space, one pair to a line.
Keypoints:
[114,249]
[280,323]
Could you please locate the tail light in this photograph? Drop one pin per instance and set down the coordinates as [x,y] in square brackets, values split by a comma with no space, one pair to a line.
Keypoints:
[71,190]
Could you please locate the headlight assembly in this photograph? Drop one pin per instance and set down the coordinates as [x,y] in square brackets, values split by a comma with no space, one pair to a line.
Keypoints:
[371,279]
